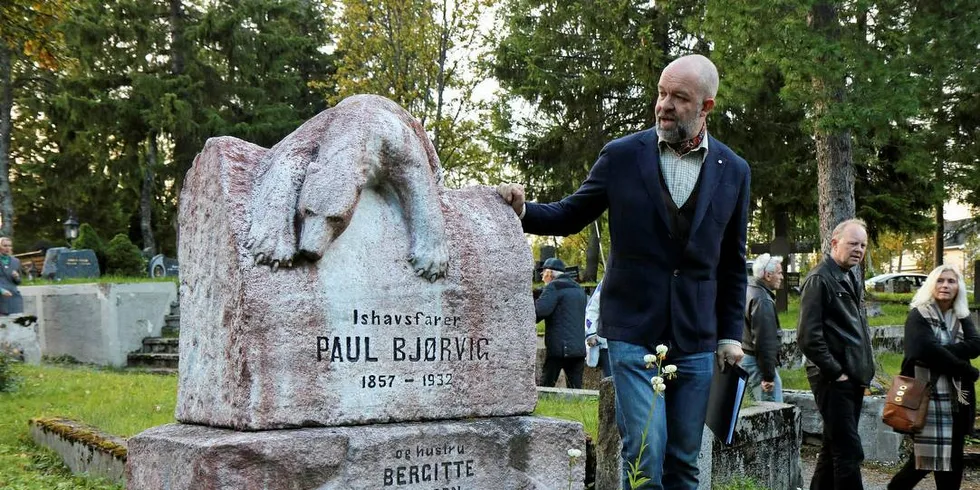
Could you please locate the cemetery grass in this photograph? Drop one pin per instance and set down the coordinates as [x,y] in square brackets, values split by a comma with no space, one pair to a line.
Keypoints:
[116,402]
[585,411]
[894,314]
[98,280]
[889,364]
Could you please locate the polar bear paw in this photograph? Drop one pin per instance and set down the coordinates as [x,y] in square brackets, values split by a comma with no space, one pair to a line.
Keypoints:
[273,249]
[430,261]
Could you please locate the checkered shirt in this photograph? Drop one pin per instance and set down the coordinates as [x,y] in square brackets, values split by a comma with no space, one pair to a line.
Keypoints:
[681,172]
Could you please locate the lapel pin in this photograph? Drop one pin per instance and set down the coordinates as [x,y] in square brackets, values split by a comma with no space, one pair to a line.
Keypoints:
[719,162]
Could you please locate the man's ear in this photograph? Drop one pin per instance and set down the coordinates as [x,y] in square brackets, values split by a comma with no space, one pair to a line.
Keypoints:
[707,106]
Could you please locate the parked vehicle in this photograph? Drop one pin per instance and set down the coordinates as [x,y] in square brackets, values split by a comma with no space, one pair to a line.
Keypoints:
[896,282]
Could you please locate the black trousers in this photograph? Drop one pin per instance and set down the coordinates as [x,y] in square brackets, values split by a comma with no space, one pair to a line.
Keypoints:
[573,366]
[908,477]
[839,463]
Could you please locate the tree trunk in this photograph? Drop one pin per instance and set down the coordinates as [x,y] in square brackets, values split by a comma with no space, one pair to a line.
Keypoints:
[901,255]
[146,197]
[591,272]
[441,80]
[183,149]
[940,231]
[835,168]
[6,128]
[176,37]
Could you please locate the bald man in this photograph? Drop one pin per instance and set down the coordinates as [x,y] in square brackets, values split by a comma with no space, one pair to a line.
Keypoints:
[678,203]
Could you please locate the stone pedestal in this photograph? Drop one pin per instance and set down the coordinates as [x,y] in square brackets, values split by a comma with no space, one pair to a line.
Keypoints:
[504,452]
[766,447]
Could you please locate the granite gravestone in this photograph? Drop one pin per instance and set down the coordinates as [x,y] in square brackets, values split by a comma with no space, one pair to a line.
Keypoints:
[370,296]
[65,263]
[163,266]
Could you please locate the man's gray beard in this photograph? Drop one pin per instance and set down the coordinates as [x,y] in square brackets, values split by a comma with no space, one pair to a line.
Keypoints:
[676,135]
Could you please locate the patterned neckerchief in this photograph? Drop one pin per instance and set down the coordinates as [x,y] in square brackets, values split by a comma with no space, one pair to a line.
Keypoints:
[684,147]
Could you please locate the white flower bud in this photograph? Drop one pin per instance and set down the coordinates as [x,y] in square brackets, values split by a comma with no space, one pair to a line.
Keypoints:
[574,453]
[670,369]
[660,388]
[656,380]
[649,358]
[661,349]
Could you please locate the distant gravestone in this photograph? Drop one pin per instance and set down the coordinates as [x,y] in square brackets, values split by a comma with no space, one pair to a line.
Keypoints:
[65,263]
[162,266]
[351,291]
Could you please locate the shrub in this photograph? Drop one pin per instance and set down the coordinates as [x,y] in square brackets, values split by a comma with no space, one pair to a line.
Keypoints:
[88,238]
[124,258]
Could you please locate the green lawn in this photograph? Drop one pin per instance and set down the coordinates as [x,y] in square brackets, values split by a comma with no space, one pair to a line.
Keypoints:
[584,411]
[894,314]
[119,403]
[889,364]
[99,280]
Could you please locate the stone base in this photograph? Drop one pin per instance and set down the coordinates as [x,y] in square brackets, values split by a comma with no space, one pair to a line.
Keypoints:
[880,443]
[766,448]
[507,452]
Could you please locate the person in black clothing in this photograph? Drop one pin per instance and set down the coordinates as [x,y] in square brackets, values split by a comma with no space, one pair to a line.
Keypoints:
[562,307]
[761,339]
[940,340]
[833,335]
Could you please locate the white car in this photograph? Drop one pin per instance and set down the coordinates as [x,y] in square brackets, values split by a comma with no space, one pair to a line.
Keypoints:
[896,282]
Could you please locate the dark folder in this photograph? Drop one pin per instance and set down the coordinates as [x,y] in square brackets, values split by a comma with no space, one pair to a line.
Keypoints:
[724,400]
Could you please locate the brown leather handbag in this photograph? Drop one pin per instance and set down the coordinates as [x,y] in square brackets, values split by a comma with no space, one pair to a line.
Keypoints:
[907,404]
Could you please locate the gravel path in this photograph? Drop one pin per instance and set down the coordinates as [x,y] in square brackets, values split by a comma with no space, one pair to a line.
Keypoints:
[876,477]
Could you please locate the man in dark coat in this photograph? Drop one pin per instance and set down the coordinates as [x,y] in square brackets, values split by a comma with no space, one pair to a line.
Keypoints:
[833,335]
[761,339]
[677,201]
[562,307]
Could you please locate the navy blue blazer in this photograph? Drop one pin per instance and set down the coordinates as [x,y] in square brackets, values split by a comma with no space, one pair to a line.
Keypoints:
[651,282]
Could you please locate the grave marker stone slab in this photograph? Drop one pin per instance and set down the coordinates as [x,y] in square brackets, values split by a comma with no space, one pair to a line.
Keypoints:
[65,263]
[356,337]
[506,453]
[332,291]
[163,266]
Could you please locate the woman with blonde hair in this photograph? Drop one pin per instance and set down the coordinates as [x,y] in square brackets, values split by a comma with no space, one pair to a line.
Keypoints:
[940,340]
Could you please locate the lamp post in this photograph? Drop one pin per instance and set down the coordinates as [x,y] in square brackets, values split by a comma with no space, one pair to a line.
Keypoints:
[71,227]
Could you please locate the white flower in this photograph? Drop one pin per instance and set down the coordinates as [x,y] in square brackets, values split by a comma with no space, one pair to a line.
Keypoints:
[661,349]
[660,388]
[656,380]
[649,358]
[670,369]
[574,453]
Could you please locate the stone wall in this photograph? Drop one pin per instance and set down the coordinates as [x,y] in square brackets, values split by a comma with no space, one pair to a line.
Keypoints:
[20,341]
[98,323]
[881,444]
[889,338]
[766,447]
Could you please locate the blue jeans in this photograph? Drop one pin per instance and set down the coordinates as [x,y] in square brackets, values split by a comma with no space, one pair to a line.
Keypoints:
[751,365]
[670,463]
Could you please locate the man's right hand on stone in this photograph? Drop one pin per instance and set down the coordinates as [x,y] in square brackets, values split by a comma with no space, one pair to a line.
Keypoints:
[513,194]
